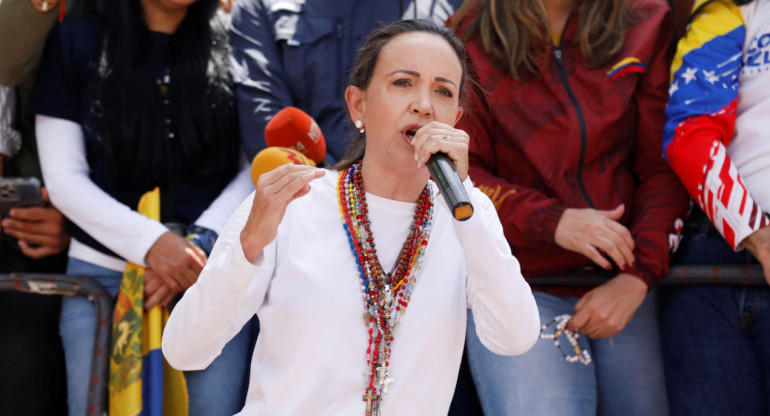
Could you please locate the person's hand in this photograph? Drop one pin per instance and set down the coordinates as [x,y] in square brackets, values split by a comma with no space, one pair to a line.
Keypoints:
[176,261]
[275,190]
[592,232]
[44,6]
[40,230]
[605,310]
[758,244]
[156,292]
[439,137]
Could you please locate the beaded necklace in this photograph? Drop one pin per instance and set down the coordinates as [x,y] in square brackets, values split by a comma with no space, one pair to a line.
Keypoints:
[386,295]
[560,322]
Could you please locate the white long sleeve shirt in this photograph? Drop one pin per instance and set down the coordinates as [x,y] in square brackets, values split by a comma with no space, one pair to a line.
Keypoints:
[118,227]
[306,291]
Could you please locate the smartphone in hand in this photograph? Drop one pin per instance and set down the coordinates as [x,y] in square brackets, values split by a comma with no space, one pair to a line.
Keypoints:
[19,192]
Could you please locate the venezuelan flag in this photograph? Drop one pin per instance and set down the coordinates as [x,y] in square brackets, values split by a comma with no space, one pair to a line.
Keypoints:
[626,66]
[141,382]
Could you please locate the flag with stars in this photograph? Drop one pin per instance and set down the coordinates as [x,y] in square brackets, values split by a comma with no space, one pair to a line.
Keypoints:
[701,115]
[704,74]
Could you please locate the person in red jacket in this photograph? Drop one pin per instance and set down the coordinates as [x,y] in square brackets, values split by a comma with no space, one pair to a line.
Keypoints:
[567,145]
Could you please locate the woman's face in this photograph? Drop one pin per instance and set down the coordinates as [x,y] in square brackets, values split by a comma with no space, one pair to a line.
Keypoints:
[416,80]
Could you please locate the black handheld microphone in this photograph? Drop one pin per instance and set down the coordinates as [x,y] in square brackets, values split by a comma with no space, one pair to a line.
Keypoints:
[443,172]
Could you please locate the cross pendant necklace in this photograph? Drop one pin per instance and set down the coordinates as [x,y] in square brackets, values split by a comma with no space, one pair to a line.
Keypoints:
[372,403]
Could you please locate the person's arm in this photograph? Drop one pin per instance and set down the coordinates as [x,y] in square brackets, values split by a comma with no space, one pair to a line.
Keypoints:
[65,169]
[504,310]
[23,30]
[131,235]
[701,121]
[261,88]
[232,286]
[659,199]
[229,291]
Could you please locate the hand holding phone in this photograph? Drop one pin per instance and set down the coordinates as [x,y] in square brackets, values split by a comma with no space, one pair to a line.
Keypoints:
[38,226]
[19,192]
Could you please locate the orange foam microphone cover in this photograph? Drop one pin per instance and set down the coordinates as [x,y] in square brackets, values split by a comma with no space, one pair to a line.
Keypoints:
[273,157]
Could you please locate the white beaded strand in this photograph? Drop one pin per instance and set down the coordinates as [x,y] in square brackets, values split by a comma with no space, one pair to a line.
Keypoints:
[580,354]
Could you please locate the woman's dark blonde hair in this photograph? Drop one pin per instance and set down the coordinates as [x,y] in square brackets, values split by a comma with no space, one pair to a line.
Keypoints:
[367,60]
[517,31]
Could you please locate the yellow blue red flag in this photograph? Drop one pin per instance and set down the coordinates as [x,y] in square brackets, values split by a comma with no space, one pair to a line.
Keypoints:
[141,382]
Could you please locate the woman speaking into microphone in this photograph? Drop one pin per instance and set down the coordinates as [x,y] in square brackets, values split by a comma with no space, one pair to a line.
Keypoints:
[360,275]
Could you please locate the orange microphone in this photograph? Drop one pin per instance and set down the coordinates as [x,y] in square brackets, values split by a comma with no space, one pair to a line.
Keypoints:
[273,157]
[295,129]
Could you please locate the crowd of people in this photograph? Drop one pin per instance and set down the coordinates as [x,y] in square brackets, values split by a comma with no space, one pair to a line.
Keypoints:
[595,136]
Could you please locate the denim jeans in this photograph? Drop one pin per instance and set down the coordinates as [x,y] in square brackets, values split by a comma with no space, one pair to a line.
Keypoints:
[716,338]
[625,376]
[220,389]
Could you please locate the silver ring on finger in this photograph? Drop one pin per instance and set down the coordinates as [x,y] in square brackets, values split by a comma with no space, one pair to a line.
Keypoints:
[447,138]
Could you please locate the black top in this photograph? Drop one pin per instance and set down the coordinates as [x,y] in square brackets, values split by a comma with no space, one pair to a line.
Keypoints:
[65,88]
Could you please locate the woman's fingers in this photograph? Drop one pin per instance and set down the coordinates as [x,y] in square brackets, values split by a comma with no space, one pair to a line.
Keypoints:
[275,190]
[593,233]
[286,177]
[437,137]
[595,256]
[613,247]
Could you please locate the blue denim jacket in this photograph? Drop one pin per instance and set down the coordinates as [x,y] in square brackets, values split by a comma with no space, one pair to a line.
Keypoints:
[300,53]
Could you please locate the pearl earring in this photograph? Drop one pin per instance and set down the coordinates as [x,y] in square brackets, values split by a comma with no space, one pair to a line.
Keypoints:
[360,126]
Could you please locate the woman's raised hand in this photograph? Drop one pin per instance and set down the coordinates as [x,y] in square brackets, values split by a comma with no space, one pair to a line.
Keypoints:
[275,190]
[439,137]
[592,232]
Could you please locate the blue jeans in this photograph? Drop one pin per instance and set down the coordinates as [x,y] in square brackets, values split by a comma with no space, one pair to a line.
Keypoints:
[716,338]
[220,389]
[625,376]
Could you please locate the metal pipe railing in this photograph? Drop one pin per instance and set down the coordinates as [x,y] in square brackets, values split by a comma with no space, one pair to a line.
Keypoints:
[66,285]
[677,275]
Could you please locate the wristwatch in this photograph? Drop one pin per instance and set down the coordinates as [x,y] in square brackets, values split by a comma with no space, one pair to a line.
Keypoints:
[202,237]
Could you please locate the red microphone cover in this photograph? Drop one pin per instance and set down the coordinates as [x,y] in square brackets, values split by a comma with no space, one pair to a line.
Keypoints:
[295,129]
[273,157]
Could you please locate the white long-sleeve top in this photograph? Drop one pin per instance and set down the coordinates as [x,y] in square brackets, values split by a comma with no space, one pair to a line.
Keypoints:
[120,228]
[310,355]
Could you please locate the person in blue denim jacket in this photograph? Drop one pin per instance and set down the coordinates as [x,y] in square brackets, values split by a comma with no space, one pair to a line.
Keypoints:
[299,53]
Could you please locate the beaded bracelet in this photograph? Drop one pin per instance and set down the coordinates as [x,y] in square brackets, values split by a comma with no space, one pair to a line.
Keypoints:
[560,327]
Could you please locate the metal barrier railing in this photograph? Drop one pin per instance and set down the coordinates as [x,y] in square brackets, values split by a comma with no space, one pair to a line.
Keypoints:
[56,284]
[677,275]
[46,284]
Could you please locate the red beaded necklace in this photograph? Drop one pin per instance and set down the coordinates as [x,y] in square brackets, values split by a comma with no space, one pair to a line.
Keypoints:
[386,295]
